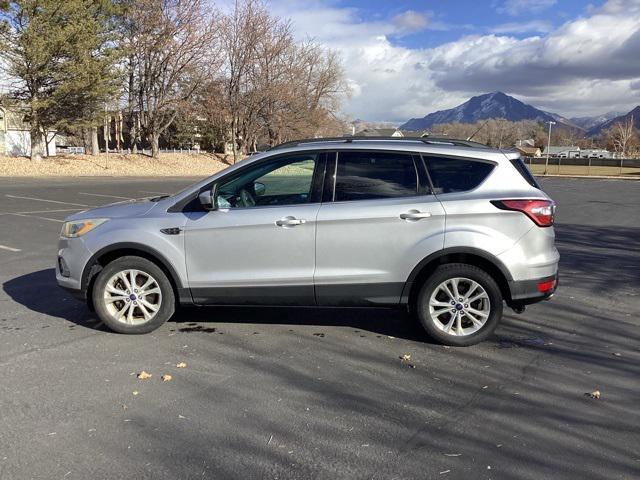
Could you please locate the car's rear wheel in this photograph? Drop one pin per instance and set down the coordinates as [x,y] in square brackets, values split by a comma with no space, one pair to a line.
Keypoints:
[133,295]
[459,304]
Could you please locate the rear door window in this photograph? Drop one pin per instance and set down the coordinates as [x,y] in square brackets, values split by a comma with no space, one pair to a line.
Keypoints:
[456,175]
[370,175]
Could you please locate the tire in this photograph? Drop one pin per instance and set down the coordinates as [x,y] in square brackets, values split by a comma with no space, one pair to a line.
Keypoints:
[478,318]
[110,284]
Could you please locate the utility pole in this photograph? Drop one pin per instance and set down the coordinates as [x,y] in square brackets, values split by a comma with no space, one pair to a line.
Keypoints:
[546,164]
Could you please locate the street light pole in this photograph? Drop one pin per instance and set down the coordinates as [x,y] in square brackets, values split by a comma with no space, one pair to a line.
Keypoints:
[546,165]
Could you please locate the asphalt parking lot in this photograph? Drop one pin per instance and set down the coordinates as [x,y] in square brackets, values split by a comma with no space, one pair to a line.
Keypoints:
[322,394]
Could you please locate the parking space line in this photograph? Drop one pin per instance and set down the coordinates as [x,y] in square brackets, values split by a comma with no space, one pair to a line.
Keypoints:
[107,196]
[52,211]
[46,200]
[45,211]
[11,249]
[156,193]
[36,216]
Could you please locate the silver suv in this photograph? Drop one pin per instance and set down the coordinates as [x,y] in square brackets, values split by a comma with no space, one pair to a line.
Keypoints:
[447,228]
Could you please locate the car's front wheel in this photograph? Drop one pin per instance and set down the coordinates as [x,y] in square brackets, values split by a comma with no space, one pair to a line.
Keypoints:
[459,304]
[133,295]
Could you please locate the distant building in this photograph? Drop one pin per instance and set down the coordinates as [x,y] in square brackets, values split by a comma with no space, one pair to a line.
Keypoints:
[391,132]
[595,153]
[529,151]
[529,142]
[379,132]
[15,137]
[562,152]
[414,134]
[577,152]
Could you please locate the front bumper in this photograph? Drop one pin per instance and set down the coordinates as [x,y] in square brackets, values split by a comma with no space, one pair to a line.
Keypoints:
[73,255]
[526,292]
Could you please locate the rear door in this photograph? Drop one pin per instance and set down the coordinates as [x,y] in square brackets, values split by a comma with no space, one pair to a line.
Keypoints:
[377,221]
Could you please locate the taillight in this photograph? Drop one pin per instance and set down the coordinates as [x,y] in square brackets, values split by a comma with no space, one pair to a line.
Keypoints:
[540,211]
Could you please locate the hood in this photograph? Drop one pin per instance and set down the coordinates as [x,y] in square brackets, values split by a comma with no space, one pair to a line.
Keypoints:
[128,208]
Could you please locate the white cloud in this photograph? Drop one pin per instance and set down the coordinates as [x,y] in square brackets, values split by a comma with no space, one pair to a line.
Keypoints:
[586,66]
[519,7]
[410,22]
[535,26]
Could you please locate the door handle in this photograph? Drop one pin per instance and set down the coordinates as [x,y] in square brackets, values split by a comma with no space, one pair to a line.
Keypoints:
[414,215]
[290,222]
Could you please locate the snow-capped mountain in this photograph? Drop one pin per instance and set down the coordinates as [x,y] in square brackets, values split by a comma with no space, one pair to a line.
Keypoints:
[590,122]
[635,113]
[482,107]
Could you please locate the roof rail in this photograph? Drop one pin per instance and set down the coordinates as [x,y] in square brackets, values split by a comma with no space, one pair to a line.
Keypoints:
[426,140]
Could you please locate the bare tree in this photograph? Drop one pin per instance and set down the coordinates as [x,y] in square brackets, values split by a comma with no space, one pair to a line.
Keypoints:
[275,88]
[240,31]
[621,135]
[172,51]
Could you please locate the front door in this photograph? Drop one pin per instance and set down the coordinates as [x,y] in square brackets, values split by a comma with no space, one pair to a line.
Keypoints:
[258,247]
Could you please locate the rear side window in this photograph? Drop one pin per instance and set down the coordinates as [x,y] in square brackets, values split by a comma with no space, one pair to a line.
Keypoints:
[526,174]
[370,175]
[456,175]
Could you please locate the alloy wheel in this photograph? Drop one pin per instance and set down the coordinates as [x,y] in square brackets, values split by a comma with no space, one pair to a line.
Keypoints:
[132,297]
[459,306]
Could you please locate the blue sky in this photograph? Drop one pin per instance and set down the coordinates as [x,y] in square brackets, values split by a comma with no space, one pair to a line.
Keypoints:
[405,59]
[452,19]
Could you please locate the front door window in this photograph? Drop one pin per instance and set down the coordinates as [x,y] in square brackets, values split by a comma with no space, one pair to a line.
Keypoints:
[285,181]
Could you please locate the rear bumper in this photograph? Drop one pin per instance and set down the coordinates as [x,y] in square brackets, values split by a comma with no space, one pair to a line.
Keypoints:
[526,292]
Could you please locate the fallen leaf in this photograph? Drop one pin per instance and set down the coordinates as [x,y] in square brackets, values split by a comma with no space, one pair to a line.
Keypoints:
[166,378]
[452,454]
[617,354]
[405,358]
[135,392]
[181,365]
[444,471]
[595,394]
[144,375]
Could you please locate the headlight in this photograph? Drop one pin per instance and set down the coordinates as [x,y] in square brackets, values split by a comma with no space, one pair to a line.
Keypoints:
[77,228]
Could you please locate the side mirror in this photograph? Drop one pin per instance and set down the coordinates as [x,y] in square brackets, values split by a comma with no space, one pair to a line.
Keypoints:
[208,198]
[259,188]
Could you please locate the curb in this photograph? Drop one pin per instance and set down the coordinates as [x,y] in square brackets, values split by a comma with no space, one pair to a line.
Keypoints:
[600,177]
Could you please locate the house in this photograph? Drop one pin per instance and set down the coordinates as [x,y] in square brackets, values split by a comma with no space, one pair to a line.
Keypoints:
[391,132]
[527,142]
[379,132]
[414,134]
[562,152]
[15,137]
[528,151]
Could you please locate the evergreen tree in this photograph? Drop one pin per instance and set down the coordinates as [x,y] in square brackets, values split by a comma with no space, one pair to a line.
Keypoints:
[60,57]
